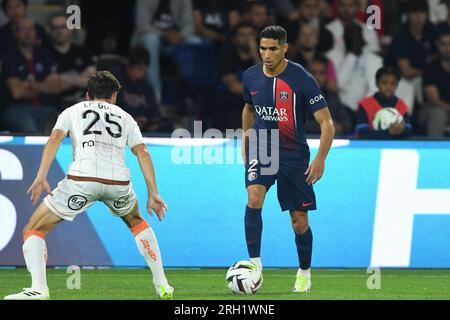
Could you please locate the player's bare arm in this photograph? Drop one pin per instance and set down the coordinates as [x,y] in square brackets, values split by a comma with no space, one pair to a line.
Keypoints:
[40,184]
[248,120]
[317,166]
[155,202]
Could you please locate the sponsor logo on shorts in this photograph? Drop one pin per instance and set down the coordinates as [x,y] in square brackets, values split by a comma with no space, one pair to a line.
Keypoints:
[284,95]
[76,202]
[121,202]
[252,176]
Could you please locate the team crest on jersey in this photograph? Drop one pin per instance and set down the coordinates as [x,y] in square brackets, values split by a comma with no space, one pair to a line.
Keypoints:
[121,202]
[76,202]
[252,176]
[284,95]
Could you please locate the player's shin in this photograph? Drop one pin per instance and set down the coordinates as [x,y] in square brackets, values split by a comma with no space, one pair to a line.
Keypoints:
[35,254]
[304,243]
[253,232]
[148,247]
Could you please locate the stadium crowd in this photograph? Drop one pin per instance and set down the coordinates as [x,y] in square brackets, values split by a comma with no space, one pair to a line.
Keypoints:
[182,60]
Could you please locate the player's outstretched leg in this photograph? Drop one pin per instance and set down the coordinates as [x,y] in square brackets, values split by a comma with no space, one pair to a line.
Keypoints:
[148,247]
[253,223]
[35,253]
[303,241]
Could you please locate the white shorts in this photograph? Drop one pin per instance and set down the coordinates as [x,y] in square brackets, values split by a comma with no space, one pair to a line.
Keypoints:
[71,197]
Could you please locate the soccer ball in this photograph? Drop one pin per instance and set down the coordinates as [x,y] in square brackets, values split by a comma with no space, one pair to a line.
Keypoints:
[385,117]
[243,277]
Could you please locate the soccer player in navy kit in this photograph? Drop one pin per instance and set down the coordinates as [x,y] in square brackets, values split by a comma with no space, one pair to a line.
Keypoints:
[277,94]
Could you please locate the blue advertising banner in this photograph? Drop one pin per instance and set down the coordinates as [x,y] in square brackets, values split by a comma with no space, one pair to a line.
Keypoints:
[380,203]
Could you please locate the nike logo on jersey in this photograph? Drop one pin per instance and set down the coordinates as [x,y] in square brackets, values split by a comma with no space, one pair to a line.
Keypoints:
[254,92]
[306,204]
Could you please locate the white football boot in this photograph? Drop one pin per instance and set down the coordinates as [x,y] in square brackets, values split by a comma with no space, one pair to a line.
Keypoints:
[29,294]
[165,292]
[303,281]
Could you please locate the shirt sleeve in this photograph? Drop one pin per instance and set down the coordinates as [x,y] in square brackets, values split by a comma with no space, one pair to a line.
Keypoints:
[9,67]
[246,92]
[429,76]
[134,136]
[312,95]
[49,64]
[63,122]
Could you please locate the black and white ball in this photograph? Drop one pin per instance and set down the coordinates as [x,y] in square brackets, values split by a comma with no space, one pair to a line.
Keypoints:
[243,277]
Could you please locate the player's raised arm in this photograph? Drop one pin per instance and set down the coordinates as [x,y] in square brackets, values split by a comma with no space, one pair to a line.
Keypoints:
[248,120]
[155,202]
[40,184]
[317,167]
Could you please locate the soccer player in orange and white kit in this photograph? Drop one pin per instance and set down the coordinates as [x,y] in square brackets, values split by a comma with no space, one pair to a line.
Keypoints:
[99,131]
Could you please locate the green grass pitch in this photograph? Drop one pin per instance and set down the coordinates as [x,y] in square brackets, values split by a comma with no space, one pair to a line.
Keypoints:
[209,284]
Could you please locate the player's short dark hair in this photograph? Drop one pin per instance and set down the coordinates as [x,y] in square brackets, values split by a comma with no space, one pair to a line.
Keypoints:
[387,70]
[138,56]
[102,85]
[274,32]
[4,3]
[417,5]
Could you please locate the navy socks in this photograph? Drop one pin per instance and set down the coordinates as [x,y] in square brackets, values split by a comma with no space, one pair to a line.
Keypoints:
[304,248]
[253,231]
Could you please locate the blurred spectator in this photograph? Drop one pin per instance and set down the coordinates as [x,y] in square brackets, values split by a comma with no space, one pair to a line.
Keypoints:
[342,122]
[412,48]
[285,10]
[393,17]
[109,25]
[257,13]
[445,25]
[326,11]
[29,73]
[213,18]
[306,48]
[309,13]
[160,26]
[239,55]
[387,79]
[137,96]
[16,10]
[356,73]
[436,114]
[74,63]
[346,16]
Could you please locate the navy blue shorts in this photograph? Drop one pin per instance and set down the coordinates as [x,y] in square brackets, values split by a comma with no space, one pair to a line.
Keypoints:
[294,194]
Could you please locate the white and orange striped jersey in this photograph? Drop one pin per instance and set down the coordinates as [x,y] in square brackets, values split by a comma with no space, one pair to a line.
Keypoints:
[99,132]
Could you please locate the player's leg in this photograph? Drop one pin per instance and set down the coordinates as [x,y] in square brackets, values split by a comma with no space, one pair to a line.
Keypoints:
[35,253]
[298,197]
[303,241]
[253,222]
[148,247]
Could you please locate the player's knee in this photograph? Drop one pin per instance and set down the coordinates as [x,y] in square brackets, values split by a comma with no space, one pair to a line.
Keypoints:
[255,198]
[300,225]
[29,227]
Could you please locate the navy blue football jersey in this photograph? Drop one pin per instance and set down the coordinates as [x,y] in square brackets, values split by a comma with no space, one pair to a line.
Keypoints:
[281,102]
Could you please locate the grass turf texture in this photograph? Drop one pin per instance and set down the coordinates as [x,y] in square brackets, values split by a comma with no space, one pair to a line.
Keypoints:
[210,284]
